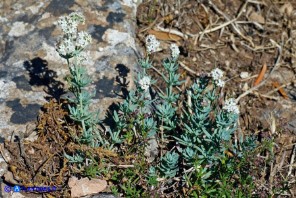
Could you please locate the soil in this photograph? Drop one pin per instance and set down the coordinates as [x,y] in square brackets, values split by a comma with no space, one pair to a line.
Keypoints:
[238,37]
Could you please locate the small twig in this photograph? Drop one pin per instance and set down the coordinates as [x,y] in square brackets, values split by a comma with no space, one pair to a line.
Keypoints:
[233,24]
[257,48]
[2,153]
[257,2]
[157,71]
[289,145]
[282,86]
[265,96]
[250,22]
[158,89]
[206,31]
[248,78]
[23,153]
[276,65]
[122,166]
[135,132]
[227,23]
[172,31]
[283,159]
[292,161]
[191,71]
[43,164]
[187,68]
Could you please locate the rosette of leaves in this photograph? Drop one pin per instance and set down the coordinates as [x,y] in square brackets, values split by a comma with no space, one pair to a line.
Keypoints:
[169,164]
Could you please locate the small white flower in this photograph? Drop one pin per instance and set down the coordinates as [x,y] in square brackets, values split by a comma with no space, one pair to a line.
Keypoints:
[175,50]
[68,25]
[151,44]
[220,83]
[83,39]
[66,47]
[145,83]
[217,74]
[62,49]
[63,22]
[230,106]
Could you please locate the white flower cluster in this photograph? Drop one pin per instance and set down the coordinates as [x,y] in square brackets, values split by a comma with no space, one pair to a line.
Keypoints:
[230,106]
[69,23]
[145,83]
[151,44]
[83,39]
[72,40]
[66,46]
[217,75]
[175,50]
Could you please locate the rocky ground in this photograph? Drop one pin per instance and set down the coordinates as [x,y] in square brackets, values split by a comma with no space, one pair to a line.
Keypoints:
[31,71]
[236,36]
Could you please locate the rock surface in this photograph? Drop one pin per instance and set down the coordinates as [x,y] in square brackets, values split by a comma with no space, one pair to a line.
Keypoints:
[31,71]
[85,186]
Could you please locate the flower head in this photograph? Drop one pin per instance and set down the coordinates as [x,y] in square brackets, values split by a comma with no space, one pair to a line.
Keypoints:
[220,83]
[175,50]
[217,74]
[145,83]
[230,106]
[69,23]
[151,44]
[72,41]
[66,47]
[83,39]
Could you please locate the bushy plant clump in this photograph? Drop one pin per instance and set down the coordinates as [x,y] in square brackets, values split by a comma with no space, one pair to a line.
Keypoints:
[194,152]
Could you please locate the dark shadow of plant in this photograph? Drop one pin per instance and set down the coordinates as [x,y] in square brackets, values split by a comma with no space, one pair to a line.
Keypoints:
[41,75]
[121,80]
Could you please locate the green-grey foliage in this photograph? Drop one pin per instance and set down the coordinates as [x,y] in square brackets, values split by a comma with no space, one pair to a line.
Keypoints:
[169,164]
[196,140]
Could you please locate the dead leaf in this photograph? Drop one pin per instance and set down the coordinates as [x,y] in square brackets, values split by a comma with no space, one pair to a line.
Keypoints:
[166,36]
[261,75]
[256,17]
[281,90]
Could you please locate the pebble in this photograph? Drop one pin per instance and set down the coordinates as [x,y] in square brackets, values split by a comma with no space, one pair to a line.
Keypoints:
[244,75]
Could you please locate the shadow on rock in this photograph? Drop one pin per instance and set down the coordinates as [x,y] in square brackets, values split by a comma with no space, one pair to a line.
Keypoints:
[40,75]
[121,79]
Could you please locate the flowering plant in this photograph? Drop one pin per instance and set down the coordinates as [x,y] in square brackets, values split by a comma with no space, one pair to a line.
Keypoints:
[148,131]
[71,47]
